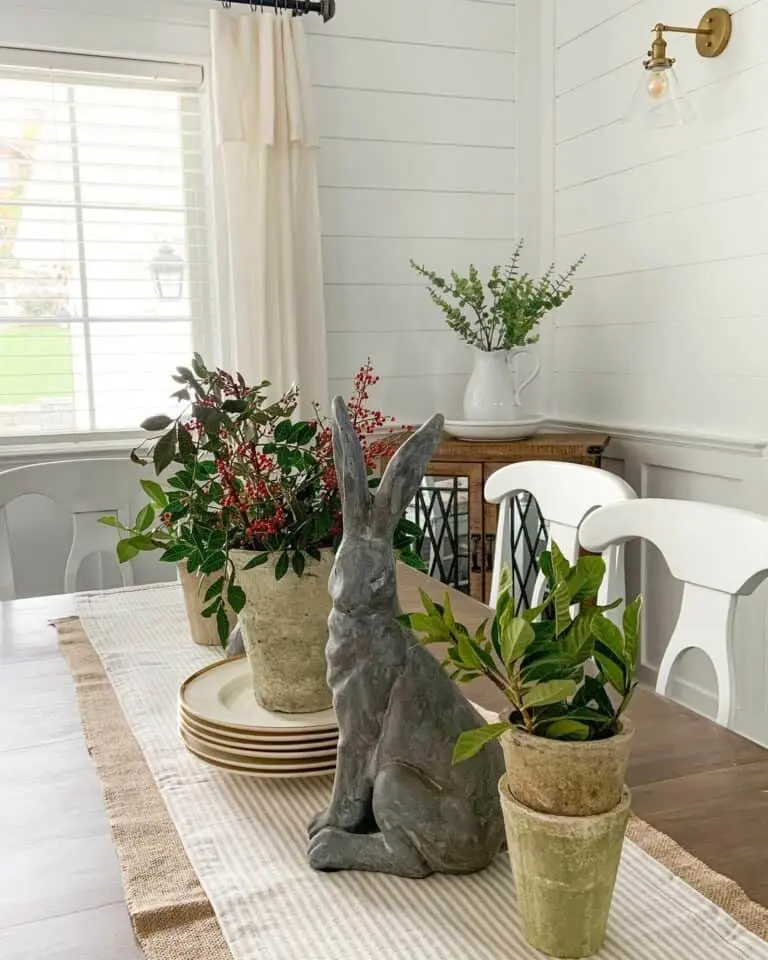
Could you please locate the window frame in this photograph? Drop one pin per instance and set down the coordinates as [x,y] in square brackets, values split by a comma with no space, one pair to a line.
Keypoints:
[189,79]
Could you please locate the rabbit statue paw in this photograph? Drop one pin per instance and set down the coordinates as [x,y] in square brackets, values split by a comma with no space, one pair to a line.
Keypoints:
[399,805]
[354,819]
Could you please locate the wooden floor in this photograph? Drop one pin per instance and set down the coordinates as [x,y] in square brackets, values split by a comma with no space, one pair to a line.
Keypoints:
[702,785]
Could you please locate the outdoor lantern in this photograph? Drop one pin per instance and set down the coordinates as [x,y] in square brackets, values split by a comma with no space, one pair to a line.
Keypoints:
[167,269]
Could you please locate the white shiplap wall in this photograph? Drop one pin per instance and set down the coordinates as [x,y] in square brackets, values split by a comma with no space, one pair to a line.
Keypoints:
[417,105]
[670,326]
[418,122]
[417,117]
[666,341]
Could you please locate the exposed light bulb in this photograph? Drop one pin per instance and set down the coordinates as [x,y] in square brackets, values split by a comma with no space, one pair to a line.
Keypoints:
[657,84]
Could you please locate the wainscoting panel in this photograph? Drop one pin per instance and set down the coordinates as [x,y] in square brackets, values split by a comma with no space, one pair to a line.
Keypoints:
[695,470]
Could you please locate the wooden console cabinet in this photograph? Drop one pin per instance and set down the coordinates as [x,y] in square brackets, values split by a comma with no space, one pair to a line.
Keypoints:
[460,528]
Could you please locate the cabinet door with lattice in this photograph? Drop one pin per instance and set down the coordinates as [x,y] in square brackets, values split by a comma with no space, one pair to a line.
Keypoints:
[529,538]
[449,510]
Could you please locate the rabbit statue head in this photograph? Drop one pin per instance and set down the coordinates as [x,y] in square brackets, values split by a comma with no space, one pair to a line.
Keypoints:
[363,576]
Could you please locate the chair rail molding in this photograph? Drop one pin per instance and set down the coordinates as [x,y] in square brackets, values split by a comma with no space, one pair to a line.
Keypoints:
[17,454]
[744,446]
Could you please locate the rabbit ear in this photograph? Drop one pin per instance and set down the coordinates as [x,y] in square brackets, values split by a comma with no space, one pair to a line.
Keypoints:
[404,474]
[350,469]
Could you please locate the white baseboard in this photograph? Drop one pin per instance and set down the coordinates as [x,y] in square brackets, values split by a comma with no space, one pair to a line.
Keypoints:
[694,697]
[702,701]
[689,694]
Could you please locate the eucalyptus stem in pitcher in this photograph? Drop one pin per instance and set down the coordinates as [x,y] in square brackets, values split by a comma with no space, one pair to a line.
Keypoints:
[505,311]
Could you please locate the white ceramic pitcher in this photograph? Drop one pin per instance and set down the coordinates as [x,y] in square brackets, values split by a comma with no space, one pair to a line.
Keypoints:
[493,392]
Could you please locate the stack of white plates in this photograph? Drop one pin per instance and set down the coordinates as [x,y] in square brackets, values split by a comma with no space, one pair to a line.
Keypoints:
[222,723]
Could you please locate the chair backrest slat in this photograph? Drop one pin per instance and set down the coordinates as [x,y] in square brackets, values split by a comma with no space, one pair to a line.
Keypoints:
[565,494]
[718,553]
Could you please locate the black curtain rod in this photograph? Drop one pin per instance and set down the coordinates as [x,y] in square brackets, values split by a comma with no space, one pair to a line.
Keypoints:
[326,8]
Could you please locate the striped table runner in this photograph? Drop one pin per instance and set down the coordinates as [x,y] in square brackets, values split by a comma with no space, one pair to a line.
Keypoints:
[246,841]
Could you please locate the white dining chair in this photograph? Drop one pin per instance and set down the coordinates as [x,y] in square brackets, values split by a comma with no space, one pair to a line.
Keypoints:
[565,494]
[719,554]
[88,489]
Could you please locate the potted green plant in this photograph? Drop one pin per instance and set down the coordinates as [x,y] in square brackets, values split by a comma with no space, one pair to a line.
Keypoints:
[499,319]
[185,517]
[253,504]
[568,672]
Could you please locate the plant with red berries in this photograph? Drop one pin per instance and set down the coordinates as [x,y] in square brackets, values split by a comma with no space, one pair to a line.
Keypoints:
[247,476]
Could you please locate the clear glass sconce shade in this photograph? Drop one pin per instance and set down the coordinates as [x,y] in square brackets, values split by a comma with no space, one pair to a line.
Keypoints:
[660,100]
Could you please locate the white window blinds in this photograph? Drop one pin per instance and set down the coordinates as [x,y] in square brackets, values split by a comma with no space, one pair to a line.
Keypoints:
[103,254]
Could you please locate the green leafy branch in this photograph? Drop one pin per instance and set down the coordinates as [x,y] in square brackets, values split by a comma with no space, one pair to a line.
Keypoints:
[566,669]
[239,473]
[505,312]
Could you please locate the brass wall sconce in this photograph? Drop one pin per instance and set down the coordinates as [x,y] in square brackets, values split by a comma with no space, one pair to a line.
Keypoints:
[660,99]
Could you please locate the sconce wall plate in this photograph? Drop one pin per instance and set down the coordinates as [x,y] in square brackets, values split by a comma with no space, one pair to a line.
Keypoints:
[718,21]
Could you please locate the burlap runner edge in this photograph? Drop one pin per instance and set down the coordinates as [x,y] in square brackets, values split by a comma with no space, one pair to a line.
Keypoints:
[171,916]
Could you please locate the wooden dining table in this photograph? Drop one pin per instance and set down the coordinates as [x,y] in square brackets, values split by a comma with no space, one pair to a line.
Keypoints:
[60,890]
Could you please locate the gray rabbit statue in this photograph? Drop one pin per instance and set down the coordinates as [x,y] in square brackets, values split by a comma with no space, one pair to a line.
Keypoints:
[399,805]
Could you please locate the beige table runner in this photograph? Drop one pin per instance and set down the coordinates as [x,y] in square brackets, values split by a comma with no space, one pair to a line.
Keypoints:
[245,841]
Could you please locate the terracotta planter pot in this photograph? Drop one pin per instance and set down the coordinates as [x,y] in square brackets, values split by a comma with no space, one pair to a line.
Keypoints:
[285,630]
[194,587]
[567,777]
[565,872]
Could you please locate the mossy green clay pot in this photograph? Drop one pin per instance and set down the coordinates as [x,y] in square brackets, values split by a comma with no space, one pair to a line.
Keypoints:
[568,778]
[565,811]
[565,871]
[285,632]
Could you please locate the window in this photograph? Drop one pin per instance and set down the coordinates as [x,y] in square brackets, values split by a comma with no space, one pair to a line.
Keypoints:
[103,261]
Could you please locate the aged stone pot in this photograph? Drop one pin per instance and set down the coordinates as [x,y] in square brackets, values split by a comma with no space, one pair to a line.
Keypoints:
[194,587]
[567,778]
[285,629]
[565,872]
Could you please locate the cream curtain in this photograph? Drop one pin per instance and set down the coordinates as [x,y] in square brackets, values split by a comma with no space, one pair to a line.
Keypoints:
[271,276]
